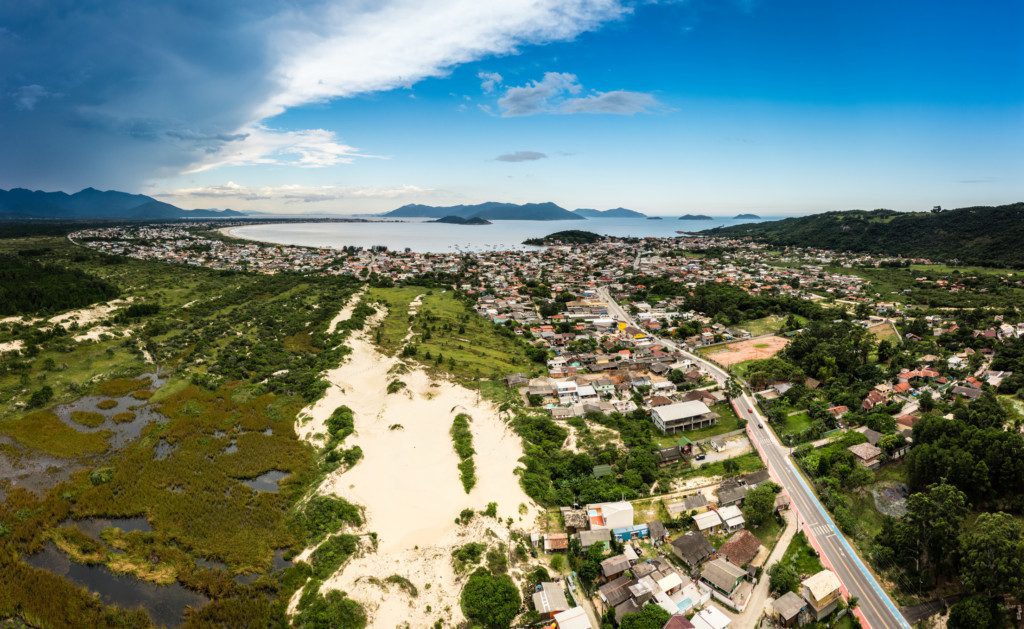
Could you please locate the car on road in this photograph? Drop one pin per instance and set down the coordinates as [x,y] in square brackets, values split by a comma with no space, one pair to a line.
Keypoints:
[700,457]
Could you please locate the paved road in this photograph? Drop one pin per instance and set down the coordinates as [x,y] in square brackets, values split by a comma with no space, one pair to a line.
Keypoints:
[875,604]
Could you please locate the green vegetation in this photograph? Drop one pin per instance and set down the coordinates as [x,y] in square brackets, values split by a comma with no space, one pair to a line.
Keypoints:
[28,287]
[87,418]
[567,237]
[242,354]
[462,440]
[489,600]
[44,431]
[467,555]
[332,554]
[798,562]
[743,464]
[986,236]
[728,304]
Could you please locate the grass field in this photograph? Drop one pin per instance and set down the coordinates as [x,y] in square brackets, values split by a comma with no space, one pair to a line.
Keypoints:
[449,335]
[795,424]
[750,462]
[801,556]
[767,325]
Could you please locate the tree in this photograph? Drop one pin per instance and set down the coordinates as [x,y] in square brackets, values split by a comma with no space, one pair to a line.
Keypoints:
[783,578]
[333,609]
[992,555]
[759,504]
[971,613]
[492,601]
[41,396]
[650,617]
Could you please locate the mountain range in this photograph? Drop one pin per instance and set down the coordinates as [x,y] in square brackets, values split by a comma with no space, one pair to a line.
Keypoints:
[491,210]
[617,212]
[91,203]
[982,235]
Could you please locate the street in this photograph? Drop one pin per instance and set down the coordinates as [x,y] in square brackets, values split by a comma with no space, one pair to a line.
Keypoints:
[878,609]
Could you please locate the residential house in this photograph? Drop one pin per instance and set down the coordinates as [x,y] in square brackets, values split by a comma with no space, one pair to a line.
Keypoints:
[708,522]
[741,549]
[727,582]
[554,542]
[589,538]
[731,493]
[549,599]
[787,608]
[710,618]
[610,515]
[693,549]
[614,566]
[732,518]
[574,618]
[822,593]
[867,455]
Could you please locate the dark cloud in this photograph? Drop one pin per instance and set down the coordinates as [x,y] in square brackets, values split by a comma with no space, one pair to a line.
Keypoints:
[114,92]
[521,156]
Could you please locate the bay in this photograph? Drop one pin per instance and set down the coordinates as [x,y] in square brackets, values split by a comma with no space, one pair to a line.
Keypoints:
[424,236]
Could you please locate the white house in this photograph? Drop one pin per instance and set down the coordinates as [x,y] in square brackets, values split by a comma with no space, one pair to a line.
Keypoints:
[683,416]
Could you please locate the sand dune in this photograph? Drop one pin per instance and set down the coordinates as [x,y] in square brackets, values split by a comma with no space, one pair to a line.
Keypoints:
[408,482]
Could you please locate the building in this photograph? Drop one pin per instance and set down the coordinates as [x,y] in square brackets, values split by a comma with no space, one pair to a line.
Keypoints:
[822,593]
[867,455]
[612,567]
[710,618]
[549,599]
[727,583]
[741,549]
[589,538]
[708,522]
[574,618]
[787,608]
[732,518]
[693,549]
[683,416]
[610,515]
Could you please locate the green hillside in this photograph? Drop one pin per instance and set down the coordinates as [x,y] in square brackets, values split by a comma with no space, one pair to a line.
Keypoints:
[988,236]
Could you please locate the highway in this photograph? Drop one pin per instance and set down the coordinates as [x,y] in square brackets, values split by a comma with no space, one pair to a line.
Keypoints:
[878,609]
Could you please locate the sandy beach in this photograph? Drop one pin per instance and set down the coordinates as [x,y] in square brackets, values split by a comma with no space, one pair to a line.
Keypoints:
[408,481]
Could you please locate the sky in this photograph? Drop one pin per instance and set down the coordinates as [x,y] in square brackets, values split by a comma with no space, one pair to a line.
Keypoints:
[357,106]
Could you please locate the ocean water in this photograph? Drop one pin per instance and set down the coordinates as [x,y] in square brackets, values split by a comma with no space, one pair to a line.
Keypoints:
[423,236]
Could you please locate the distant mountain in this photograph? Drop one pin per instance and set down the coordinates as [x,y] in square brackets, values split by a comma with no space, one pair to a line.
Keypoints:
[492,210]
[696,217]
[988,236]
[458,220]
[747,217]
[617,212]
[95,204]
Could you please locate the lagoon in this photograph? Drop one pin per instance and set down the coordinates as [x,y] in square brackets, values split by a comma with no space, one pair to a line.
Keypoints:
[424,236]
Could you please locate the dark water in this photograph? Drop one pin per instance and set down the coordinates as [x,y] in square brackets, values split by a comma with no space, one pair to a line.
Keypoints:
[163,449]
[94,526]
[121,434]
[267,481]
[165,603]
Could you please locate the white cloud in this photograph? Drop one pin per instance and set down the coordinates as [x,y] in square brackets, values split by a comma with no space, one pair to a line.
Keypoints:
[259,144]
[26,96]
[352,49]
[295,193]
[521,156]
[489,81]
[559,93]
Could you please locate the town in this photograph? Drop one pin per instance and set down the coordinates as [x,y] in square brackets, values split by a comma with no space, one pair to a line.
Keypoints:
[673,366]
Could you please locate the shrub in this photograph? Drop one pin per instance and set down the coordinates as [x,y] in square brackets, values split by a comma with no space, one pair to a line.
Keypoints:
[490,600]
[462,440]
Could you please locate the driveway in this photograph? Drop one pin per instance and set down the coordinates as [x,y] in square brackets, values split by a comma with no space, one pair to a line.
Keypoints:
[755,607]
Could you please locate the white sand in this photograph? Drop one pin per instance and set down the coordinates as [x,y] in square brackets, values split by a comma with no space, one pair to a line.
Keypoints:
[409,485]
[346,313]
[12,346]
[88,316]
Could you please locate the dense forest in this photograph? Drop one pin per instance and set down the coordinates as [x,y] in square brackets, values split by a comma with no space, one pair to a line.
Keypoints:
[725,303]
[986,236]
[28,287]
[567,237]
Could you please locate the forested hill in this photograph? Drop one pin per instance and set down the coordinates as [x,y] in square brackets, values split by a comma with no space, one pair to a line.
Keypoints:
[985,235]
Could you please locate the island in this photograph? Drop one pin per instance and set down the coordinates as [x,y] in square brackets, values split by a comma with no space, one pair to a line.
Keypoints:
[617,212]
[566,237]
[747,217]
[458,220]
[491,210]
[696,217]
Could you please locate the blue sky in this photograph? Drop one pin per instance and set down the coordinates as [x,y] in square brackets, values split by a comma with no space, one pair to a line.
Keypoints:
[716,106]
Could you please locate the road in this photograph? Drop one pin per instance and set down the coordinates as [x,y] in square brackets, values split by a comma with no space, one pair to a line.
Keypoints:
[878,609]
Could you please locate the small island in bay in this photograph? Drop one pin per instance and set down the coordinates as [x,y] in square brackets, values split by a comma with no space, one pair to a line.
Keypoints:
[696,217]
[567,237]
[458,220]
[746,217]
[654,218]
